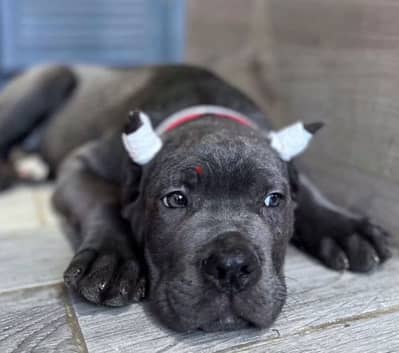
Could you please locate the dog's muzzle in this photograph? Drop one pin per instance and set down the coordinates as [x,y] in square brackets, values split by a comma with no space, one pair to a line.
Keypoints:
[231,266]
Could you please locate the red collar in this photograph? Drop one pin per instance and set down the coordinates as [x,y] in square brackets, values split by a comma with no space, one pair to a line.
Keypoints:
[197,112]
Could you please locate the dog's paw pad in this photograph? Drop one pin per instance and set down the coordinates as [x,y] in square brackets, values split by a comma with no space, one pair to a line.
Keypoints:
[80,263]
[127,287]
[98,278]
[104,278]
[102,285]
[140,290]
[378,237]
[361,254]
[332,255]
[361,249]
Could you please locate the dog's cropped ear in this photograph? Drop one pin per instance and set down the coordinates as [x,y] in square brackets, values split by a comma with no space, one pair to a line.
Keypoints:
[139,138]
[142,144]
[292,140]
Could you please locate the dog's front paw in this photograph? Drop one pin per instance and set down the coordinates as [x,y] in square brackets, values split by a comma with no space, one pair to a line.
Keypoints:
[360,247]
[105,278]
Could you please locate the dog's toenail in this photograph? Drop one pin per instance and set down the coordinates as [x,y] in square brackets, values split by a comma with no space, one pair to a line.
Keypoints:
[124,291]
[141,291]
[77,271]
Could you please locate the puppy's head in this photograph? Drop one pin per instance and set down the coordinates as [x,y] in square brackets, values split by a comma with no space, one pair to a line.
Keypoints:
[214,214]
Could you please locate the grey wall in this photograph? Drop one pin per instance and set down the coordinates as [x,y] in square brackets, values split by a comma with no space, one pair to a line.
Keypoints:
[335,61]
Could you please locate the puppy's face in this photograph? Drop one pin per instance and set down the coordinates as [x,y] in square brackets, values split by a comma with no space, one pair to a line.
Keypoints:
[218,215]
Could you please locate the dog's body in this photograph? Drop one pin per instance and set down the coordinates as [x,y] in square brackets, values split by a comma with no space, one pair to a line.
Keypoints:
[205,223]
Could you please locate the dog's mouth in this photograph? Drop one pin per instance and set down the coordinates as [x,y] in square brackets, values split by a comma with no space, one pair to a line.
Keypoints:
[218,313]
[188,308]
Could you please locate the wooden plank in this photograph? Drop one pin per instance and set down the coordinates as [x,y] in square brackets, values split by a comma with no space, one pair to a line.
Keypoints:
[35,320]
[32,258]
[18,210]
[361,334]
[26,208]
[45,212]
[317,297]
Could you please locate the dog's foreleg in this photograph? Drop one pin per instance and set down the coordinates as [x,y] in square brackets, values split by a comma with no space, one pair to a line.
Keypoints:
[105,269]
[25,103]
[29,99]
[338,238]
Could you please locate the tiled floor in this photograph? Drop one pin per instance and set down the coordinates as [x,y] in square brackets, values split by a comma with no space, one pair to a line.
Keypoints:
[326,311]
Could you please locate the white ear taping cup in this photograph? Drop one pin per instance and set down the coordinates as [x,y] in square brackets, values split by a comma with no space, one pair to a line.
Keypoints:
[290,141]
[143,144]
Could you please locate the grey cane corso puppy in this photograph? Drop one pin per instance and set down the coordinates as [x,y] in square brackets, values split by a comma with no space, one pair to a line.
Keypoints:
[202,225]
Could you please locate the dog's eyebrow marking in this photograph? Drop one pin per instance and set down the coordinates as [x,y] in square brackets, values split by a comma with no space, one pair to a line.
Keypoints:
[199,170]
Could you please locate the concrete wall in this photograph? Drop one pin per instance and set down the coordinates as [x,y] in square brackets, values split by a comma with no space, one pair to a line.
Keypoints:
[334,61]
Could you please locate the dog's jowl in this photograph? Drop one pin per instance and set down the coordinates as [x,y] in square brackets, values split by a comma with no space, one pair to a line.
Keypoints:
[190,202]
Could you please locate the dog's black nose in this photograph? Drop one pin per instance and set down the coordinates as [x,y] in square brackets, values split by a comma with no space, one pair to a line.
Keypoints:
[231,266]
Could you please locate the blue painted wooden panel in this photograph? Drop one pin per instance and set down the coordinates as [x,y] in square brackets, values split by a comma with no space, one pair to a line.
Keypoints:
[112,32]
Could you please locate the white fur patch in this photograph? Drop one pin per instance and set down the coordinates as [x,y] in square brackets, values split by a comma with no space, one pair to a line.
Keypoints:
[290,141]
[143,144]
[32,168]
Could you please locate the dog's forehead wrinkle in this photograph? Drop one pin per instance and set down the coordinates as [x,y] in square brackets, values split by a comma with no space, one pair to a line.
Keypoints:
[222,169]
[208,225]
[220,157]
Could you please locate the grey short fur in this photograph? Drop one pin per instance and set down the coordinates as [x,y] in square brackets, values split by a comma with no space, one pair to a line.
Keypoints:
[131,245]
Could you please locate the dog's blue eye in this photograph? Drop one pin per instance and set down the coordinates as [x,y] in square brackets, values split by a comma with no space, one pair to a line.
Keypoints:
[274,199]
[175,199]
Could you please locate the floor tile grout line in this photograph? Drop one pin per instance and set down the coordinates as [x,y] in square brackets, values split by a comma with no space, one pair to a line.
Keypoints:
[39,208]
[71,319]
[73,322]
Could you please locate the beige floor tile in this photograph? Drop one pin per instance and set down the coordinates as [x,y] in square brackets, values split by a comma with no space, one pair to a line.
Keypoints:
[36,321]
[32,258]
[18,210]
[318,299]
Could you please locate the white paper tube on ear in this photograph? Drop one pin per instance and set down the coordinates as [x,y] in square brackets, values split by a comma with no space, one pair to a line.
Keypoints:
[290,141]
[143,144]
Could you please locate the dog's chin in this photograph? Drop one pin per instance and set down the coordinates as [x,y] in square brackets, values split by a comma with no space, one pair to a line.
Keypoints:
[187,306]
[221,314]
[229,322]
